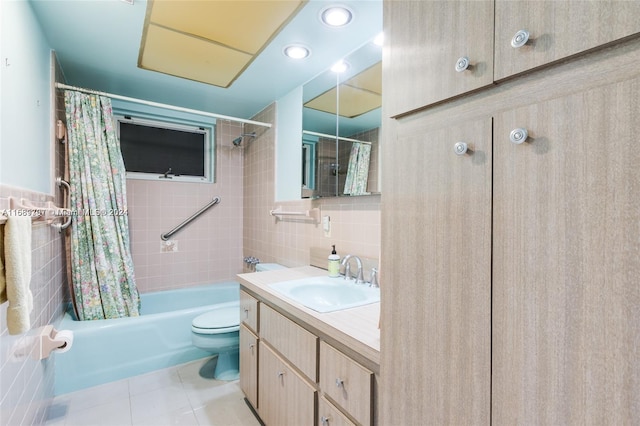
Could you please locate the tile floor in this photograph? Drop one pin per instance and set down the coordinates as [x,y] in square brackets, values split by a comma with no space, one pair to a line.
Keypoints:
[180,395]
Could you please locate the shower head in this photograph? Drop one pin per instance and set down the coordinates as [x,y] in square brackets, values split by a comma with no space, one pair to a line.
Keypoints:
[237,141]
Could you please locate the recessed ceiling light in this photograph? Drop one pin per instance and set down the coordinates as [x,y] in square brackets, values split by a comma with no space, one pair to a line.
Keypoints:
[296,51]
[336,16]
[340,66]
[379,40]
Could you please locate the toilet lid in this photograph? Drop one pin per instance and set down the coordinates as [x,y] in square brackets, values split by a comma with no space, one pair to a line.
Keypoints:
[222,320]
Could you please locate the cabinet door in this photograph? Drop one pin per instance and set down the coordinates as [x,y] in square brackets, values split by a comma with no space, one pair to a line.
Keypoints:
[427,38]
[249,365]
[436,319]
[285,397]
[558,29]
[566,263]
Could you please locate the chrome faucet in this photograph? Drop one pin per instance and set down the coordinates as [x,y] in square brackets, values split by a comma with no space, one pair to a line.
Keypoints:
[347,268]
[374,278]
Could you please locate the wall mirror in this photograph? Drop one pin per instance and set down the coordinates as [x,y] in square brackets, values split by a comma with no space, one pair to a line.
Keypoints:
[341,125]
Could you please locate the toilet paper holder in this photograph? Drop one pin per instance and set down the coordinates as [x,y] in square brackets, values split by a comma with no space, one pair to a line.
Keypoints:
[49,341]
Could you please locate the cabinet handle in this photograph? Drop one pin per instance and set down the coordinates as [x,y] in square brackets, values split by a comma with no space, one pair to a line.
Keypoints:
[520,39]
[462,64]
[460,148]
[246,312]
[251,346]
[339,382]
[518,135]
[324,420]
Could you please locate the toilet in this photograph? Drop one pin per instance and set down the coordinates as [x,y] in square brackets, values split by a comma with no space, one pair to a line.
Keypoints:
[217,332]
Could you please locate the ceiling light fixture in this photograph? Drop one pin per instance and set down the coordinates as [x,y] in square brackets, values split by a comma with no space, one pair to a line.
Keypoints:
[379,39]
[296,51]
[336,16]
[340,66]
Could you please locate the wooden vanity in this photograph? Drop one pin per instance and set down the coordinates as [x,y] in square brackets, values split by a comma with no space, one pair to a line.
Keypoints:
[298,366]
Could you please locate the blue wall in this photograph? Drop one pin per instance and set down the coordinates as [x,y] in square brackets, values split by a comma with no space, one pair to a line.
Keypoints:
[25,100]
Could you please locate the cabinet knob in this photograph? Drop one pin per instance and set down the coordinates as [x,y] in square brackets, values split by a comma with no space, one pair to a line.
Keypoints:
[518,136]
[462,64]
[339,382]
[460,148]
[520,39]
[280,374]
[324,420]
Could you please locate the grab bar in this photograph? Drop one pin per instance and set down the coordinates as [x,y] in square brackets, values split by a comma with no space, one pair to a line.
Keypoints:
[166,236]
[60,182]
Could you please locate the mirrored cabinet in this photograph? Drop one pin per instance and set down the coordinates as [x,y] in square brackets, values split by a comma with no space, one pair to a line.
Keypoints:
[341,125]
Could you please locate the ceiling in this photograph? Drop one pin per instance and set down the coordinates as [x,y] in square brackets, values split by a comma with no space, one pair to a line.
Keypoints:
[97,43]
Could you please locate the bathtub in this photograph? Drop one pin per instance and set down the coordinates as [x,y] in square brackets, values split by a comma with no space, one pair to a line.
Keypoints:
[113,349]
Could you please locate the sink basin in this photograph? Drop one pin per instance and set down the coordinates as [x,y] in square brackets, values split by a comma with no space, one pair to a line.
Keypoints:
[324,294]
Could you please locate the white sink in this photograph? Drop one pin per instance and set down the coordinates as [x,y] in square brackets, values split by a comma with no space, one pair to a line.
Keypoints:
[324,294]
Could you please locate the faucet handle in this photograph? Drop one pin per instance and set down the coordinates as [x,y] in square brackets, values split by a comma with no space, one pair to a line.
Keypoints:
[374,278]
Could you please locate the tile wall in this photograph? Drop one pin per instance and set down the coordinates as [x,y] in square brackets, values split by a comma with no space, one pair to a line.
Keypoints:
[27,384]
[355,221]
[209,249]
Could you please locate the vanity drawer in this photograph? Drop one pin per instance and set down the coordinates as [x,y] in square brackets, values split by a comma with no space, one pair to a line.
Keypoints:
[294,342]
[329,415]
[347,383]
[249,311]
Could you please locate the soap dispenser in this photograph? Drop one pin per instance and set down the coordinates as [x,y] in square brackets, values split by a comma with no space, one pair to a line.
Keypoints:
[334,263]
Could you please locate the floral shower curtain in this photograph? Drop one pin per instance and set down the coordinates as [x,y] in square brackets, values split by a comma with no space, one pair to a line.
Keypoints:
[358,171]
[101,265]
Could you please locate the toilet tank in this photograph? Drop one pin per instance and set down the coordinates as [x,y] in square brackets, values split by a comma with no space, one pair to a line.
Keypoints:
[261,267]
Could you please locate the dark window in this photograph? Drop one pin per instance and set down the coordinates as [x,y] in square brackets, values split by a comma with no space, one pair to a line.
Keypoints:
[174,151]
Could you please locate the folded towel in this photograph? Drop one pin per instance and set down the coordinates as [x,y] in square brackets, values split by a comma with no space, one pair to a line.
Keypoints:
[17,258]
[3,287]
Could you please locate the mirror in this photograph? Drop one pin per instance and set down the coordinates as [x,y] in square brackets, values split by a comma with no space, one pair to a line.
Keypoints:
[341,122]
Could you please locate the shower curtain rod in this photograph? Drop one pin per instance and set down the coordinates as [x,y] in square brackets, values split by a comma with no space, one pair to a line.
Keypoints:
[159,105]
[325,135]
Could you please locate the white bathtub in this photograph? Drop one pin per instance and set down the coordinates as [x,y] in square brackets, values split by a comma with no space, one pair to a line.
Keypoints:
[113,349]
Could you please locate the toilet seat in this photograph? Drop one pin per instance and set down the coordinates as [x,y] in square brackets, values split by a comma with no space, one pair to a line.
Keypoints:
[218,321]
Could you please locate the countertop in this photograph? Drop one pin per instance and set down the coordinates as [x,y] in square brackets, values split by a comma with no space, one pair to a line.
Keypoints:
[353,330]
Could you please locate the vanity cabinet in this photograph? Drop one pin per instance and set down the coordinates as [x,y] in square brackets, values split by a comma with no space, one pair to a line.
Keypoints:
[429,41]
[293,376]
[518,258]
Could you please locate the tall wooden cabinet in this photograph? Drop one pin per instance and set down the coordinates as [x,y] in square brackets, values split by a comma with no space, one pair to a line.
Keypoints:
[512,290]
